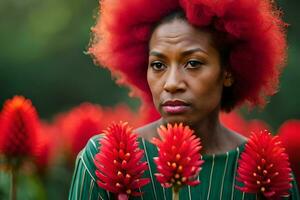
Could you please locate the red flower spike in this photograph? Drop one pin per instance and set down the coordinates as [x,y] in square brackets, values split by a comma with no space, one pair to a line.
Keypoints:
[77,126]
[46,148]
[264,167]
[118,163]
[179,159]
[19,125]
[289,134]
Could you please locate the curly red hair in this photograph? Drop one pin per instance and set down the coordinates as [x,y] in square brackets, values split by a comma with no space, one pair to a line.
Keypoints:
[253,28]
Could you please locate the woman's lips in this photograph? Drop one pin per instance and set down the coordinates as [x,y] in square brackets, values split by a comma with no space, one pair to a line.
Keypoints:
[175,107]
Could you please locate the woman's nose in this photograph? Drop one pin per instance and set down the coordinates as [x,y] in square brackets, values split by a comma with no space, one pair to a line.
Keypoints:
[174,81]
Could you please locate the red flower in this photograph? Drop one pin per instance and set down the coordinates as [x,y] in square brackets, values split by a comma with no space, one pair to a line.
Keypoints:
[122,112]
[179,159]
[264,167]
[78,126]
[119,166]
[256,125]
[235,122]
[19,125]
[289,133]
[46,148]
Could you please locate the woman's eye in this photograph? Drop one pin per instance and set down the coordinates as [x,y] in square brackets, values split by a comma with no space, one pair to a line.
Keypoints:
[158,66]
[193,64]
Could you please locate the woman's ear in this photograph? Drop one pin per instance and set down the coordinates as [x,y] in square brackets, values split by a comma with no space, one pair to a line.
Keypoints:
[228,79]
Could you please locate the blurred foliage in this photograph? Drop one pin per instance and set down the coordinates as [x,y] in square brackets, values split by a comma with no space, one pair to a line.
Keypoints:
[28,187]
[285,104]
[42,57]
[54,184]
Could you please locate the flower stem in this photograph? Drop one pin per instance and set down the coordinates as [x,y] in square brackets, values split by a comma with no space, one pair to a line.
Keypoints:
[13,186]
[175,194]
[260,197]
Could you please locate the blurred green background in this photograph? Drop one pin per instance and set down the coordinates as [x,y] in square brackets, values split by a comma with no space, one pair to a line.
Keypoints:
[42,45]
[42,55]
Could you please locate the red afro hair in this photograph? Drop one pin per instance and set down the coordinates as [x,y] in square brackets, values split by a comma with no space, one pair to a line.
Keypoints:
[253,28]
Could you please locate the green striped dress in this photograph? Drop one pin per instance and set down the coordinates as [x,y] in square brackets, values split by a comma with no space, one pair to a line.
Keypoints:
[217,178]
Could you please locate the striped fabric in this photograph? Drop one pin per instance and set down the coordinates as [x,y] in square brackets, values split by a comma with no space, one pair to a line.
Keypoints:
[217,178]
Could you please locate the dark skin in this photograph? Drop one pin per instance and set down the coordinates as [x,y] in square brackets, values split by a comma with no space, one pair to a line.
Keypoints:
[184,65]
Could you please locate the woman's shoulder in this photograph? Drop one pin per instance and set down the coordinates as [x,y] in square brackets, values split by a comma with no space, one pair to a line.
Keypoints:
[87,154]
[92,146]
[84,181]
[146,132]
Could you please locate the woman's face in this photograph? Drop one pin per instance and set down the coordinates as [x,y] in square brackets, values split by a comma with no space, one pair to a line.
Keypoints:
[184,73]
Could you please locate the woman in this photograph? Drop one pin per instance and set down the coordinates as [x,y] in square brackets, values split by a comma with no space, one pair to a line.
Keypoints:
[188,59]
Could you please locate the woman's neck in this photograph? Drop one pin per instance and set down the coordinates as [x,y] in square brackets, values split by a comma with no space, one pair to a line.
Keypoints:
[215,138]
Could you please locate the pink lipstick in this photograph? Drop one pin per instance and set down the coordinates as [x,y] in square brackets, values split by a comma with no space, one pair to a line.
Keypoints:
[175,106]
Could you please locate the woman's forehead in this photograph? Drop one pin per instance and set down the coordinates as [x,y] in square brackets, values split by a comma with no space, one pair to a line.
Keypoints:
[180,33]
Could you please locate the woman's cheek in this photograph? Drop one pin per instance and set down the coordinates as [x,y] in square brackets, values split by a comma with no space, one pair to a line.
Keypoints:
[153,88]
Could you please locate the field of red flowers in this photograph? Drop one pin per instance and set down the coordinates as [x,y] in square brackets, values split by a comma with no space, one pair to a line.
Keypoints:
[37,157]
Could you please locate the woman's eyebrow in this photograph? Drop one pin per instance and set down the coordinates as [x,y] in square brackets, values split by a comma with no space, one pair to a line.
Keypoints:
[157,54]
[191,51]
[184,53]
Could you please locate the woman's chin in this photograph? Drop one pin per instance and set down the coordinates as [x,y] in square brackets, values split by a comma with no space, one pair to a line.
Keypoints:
[172,119]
